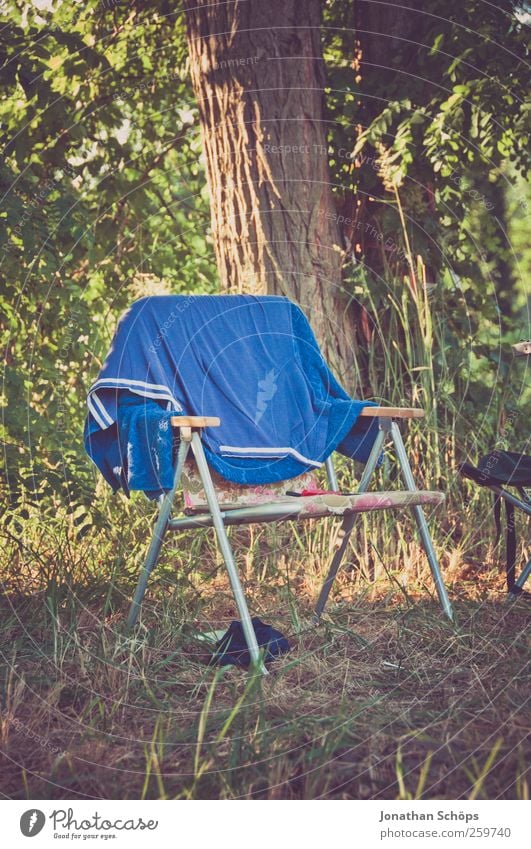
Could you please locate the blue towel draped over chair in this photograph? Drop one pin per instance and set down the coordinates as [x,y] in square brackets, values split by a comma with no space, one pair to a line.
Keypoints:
[251,360]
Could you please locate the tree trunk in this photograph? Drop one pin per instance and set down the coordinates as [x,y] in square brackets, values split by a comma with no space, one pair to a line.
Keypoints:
[258,75]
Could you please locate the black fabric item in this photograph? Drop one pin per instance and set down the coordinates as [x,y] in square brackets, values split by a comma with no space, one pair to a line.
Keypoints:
[232,648]
[510,545]
[500,468]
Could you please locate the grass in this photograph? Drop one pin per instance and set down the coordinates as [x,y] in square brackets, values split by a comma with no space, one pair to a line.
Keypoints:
[384,700]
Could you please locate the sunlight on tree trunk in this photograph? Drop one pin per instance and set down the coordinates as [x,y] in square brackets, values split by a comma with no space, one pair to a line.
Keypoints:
[258,75]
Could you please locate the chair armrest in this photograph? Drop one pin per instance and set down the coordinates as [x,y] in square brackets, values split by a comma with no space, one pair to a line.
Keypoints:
[195,421]
[393,412]
[522,349]
[186,423]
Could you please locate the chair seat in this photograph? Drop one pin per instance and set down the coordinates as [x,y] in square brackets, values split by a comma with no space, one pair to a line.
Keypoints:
[322,505]
[312,507]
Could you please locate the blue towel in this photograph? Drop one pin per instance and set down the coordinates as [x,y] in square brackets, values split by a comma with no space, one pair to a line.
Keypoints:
[251,360]
[145,439]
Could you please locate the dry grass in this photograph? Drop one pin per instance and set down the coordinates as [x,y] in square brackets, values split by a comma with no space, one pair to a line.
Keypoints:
[384,700]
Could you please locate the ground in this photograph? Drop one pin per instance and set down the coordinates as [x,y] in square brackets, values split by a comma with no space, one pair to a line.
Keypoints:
[384,700]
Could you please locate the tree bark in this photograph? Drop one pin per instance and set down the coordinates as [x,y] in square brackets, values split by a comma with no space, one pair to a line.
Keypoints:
[258,75]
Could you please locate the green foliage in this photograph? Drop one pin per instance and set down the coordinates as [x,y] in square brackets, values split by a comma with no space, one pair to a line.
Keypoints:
[103,200]
[428,146]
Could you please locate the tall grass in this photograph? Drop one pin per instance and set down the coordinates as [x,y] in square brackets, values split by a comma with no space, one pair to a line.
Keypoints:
[384,700]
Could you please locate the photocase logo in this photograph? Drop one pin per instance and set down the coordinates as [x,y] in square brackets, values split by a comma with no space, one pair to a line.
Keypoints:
[266,390]
[32,822]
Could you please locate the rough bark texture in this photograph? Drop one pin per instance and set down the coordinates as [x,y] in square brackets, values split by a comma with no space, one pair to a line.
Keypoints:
[258,76]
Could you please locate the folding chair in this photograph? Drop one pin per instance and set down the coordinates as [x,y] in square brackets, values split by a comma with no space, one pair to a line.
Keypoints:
[495,471]
[285,338]
[500,469]
[297,508]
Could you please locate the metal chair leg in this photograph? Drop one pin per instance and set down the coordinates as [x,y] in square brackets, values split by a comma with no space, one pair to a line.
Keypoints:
[226,550]
[407,476]
[158,535]
[518,588]
[347,526]
[331,474]
[346,530]
[526,572]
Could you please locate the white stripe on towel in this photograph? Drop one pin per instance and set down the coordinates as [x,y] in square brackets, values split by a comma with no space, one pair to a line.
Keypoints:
[266,452]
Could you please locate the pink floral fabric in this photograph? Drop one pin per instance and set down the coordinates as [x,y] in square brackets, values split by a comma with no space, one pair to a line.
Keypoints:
[231,495]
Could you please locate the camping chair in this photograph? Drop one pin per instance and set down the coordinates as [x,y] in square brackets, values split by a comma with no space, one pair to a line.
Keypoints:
[297,508]
[500,469]
[156,357]
[496,471]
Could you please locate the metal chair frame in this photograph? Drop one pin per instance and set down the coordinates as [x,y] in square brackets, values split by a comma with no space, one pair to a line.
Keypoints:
[190,438]
[524,504]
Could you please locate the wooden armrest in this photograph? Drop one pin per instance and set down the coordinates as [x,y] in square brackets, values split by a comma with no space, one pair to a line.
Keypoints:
[393,412]
[195,421]
[522,349]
